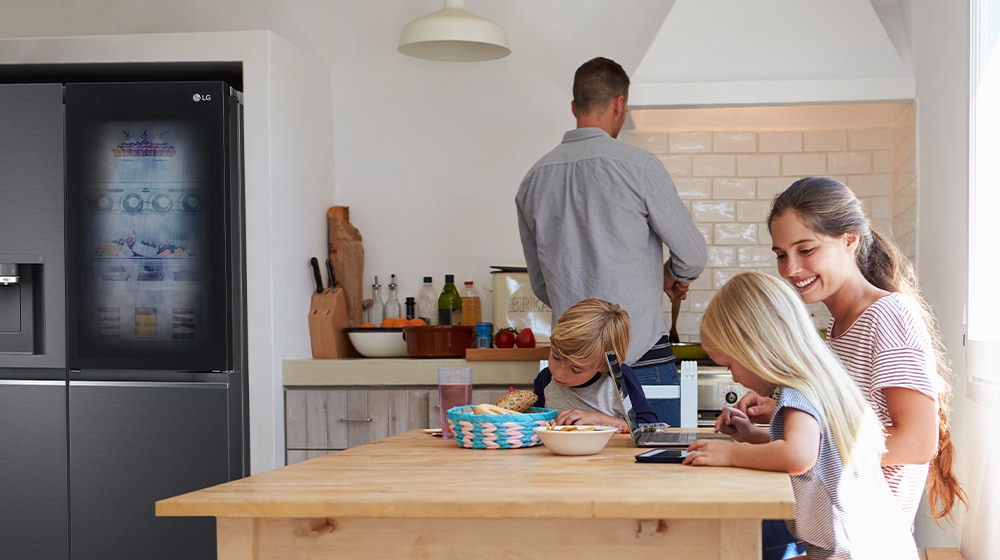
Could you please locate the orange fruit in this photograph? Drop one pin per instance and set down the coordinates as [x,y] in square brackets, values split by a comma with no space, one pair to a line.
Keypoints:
[400,322]
[417,322]
[388,322]
[367,325]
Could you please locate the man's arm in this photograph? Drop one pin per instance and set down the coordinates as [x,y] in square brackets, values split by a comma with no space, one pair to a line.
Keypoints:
[671,221]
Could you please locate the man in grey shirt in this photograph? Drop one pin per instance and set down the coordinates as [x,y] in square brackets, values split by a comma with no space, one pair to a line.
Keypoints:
[594,214]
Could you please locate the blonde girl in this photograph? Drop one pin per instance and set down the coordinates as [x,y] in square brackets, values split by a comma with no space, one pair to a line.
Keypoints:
[823,433]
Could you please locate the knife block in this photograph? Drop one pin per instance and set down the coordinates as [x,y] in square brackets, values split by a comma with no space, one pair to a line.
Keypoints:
[327,321]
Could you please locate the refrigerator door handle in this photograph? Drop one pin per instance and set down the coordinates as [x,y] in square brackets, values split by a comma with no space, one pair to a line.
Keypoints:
[158,384]
[50,382]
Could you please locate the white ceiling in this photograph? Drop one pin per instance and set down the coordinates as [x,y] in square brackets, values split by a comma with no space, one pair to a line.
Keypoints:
[744,52]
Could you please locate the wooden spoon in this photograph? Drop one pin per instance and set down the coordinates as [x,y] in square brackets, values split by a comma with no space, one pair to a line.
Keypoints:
[675,310]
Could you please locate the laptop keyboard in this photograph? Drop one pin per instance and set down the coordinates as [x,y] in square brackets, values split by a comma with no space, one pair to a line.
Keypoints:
[668,437]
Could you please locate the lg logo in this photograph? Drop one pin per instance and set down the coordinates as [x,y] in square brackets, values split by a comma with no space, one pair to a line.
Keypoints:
[201,97]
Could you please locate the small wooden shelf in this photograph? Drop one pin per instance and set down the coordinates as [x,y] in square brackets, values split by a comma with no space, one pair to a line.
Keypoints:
[512,354]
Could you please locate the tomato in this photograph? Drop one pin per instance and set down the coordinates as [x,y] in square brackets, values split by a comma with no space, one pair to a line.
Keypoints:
[525,338]
[505,338]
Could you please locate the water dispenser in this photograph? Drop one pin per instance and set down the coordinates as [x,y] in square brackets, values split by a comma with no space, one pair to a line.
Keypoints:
[18,280]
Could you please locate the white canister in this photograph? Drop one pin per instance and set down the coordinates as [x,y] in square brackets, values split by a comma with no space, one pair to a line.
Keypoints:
[515,304]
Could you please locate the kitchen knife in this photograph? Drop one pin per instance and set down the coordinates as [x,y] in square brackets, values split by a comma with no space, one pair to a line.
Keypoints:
[319,279]
[330,275]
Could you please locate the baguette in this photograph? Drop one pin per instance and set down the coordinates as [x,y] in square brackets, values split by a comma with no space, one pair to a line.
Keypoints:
[487,408]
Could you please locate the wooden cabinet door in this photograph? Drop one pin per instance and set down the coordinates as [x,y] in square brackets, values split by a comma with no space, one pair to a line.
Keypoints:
[321,421]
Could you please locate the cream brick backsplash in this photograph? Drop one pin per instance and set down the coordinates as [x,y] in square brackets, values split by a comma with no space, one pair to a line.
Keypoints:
[734,142]
[728,178]
[689,142]
[801,165]
[693,187]
[758,165]
[736,234]
[656,142]
[876,184]
[882,161]
[779,142]
[677,165]
[719,257]
[825,140]
[754,256]
[872,139]
[849,162]
[713,210]
[734,188]
[714,165]
[753,211]
[770,187]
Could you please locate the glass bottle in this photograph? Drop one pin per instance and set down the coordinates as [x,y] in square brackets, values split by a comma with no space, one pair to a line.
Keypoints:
[450,303]
[378,306]
[392,307]
[411,308]
[471,306]
[427,302]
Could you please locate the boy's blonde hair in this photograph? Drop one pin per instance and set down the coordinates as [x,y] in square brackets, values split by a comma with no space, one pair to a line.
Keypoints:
[587,330]
[759,322]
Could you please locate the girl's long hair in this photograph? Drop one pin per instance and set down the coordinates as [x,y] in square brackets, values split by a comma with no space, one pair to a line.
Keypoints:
[759,322]
[829,207]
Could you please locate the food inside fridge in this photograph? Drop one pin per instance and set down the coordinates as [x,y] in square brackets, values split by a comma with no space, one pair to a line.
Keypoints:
[145,322]
[109,322]
[183,323]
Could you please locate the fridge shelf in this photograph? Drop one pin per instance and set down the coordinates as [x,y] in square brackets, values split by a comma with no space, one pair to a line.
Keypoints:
[145,201]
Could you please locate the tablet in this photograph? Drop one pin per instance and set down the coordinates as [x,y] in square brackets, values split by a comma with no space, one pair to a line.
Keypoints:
[662,455]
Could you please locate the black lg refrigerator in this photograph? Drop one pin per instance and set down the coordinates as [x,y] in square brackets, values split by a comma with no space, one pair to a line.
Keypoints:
[155,379]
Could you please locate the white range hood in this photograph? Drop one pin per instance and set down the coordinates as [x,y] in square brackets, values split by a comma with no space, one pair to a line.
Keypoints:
[749,52]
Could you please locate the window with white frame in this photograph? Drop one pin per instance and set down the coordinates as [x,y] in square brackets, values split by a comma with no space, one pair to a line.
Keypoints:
[984,194]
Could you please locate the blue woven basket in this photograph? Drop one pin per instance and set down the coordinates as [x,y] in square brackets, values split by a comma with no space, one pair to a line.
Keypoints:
[497,431]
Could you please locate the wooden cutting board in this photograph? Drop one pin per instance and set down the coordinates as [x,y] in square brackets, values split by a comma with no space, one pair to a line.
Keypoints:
[512,354]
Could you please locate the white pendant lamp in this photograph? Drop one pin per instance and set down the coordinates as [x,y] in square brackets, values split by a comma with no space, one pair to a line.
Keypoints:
[454,34]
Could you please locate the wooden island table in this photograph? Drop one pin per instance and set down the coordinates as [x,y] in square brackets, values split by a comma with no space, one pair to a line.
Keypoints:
[417,496]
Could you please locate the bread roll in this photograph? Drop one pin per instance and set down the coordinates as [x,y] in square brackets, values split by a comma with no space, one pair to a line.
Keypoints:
[519,401]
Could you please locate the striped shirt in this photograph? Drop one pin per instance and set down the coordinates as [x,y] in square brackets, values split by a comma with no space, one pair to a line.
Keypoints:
[889,346]
[842,513]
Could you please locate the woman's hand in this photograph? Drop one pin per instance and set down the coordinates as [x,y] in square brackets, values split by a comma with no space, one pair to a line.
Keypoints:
[757,407]
[576,416]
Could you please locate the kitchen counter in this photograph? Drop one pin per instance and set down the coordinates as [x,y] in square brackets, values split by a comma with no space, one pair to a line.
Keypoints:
[402,371]
[417,496]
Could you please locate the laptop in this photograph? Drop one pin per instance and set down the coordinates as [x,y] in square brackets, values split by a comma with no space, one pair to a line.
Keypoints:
[640,435]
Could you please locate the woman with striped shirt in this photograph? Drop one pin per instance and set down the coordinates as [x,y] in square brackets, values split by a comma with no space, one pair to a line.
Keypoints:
[822,433]
[881,329]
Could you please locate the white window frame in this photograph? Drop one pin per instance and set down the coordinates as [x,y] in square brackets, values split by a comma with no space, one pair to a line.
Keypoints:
[983,310]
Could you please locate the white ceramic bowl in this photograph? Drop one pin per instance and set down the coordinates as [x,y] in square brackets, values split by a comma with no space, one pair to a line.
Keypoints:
[378,342]
[575,440]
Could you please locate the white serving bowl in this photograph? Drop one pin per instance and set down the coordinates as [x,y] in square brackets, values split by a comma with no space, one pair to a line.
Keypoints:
[575,440]
[378,342]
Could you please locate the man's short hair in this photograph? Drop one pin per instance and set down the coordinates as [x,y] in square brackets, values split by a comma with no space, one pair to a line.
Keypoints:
[596,83]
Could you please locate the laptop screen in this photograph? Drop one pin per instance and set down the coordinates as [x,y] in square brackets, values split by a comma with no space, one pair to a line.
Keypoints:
[615,370]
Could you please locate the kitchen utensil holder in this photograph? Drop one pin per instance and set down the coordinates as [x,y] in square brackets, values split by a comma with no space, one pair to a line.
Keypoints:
[327,324]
